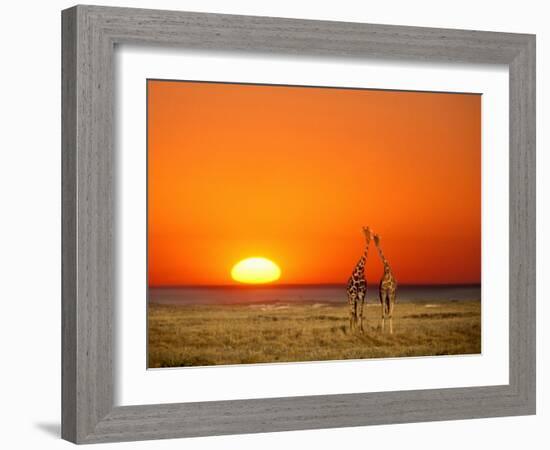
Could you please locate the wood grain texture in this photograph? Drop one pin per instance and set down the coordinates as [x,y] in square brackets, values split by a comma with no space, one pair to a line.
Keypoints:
[523,224]
[68,225]
[89,36]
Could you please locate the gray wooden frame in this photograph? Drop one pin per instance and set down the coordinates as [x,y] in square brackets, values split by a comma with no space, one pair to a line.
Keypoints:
[89,34]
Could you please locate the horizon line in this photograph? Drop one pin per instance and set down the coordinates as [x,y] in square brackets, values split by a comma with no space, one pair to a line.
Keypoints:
[266,285]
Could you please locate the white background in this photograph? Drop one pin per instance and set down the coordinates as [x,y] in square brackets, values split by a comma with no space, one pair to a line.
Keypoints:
[30,225]
[135,386]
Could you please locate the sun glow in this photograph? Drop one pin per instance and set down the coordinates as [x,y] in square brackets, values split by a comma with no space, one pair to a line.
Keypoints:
[255,270]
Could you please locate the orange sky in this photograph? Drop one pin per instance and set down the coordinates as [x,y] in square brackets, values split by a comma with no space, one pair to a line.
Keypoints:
[292,173]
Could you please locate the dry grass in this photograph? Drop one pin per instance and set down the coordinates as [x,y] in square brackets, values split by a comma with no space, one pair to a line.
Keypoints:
[244,334]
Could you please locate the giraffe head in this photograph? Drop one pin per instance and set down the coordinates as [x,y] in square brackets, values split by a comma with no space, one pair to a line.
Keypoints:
[368,233]
[377,239]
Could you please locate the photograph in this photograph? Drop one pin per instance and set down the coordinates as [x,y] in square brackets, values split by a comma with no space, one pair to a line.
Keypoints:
[303,223]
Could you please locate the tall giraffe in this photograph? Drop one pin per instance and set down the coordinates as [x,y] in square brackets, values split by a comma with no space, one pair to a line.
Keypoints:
[388,283]
[357,285]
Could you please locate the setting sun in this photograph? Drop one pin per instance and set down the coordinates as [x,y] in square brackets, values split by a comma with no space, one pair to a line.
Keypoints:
[255,271]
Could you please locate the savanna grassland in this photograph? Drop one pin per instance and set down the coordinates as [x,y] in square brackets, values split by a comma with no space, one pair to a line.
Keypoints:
[244,334]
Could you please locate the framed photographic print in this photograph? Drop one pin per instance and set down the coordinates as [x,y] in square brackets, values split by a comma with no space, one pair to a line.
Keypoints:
[267,222]
[256,248]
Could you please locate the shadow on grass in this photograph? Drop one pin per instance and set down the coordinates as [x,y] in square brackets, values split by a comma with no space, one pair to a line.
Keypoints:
[441,315]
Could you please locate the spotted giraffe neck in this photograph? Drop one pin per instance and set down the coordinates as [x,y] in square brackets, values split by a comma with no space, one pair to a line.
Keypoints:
[360,266]
[381,254]
[387,276]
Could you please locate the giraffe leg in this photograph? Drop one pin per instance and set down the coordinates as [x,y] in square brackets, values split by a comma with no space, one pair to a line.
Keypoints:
[391,300]
[362,297]
[352,313]
[383,302]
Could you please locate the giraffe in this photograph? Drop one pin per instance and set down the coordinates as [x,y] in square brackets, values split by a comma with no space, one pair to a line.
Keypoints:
[357,285]
[388,284]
